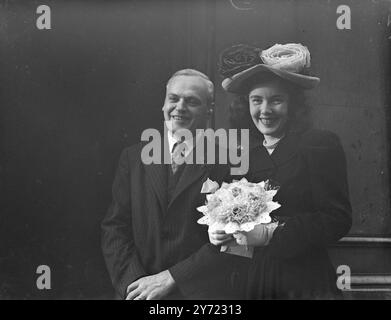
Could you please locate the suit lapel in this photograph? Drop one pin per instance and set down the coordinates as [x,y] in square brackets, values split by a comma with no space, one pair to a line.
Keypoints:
[191,173]
[157,177]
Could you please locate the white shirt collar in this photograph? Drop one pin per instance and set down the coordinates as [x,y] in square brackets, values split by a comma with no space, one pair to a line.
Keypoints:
[270,147]
[189,143]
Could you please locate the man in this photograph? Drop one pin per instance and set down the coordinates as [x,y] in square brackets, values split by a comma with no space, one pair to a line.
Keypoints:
[152,244]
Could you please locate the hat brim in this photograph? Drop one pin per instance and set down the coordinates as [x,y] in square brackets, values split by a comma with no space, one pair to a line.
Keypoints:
[234,83]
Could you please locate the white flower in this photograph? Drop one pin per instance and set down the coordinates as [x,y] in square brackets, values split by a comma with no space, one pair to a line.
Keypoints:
[203,209]
[209,186]
[237,206]
[291,57]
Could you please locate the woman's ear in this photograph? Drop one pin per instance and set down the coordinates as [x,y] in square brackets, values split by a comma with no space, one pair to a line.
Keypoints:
[209,112]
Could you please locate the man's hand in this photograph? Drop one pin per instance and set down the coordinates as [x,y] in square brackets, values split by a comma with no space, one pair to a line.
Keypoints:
[152,287]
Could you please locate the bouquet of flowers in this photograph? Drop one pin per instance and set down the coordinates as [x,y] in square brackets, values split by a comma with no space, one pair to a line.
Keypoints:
[237,207]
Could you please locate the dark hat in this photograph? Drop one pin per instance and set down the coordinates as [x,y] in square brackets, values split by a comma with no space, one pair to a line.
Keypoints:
[290,62]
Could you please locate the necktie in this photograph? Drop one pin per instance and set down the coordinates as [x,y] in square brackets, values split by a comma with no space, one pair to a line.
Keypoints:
[178,156]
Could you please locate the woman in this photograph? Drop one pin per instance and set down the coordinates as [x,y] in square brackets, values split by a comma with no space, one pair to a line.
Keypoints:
[290,258]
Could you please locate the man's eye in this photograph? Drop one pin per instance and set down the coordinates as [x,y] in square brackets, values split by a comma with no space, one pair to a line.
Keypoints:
[277,101]
[172,99]
[192,102]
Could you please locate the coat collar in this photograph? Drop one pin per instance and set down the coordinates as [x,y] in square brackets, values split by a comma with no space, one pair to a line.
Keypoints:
[286,149]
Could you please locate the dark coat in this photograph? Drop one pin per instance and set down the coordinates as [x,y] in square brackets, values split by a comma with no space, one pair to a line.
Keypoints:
[144,233]
[310,169]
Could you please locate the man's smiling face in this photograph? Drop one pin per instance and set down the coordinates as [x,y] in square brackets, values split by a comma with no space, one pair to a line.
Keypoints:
[186,105]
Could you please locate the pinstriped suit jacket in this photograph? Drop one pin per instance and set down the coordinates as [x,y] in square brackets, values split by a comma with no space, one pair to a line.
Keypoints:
[144,234]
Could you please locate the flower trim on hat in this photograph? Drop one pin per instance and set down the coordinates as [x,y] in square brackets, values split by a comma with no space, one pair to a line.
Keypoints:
[238,58]
[291,57]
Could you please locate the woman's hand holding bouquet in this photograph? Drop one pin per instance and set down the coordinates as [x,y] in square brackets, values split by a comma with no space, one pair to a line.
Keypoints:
[238,215]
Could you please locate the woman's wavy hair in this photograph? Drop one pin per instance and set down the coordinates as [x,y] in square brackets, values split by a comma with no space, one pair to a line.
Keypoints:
[299,112]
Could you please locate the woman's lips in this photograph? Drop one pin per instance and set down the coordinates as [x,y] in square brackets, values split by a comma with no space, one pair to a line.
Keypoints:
[268,121]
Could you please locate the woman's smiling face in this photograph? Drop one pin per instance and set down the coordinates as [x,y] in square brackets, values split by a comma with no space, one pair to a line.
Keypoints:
[269,107]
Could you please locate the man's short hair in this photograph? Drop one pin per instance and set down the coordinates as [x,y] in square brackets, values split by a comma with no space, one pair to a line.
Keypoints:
[196,73]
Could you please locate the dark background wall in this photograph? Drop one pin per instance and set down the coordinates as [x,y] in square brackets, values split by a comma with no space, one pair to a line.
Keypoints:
[74,96]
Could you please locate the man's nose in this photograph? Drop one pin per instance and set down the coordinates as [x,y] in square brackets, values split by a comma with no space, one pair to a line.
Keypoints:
[180,105]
